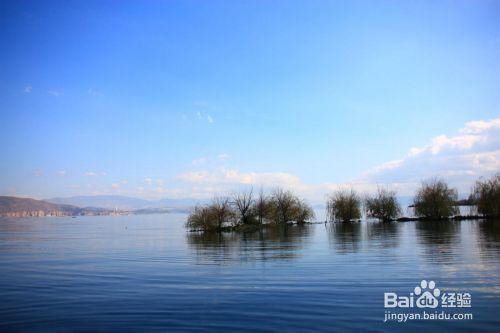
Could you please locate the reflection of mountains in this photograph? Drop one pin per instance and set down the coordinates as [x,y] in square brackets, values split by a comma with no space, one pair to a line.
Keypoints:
[269,244]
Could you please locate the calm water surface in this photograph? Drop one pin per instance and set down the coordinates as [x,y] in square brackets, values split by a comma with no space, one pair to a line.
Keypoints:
[138,273]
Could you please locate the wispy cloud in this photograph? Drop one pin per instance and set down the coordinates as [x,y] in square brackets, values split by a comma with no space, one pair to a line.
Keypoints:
[201,104]
[199,161]
[205,116]
[210,160]
[94,174]
[206,183]
[28,89]
[224,177]
[95,93]
[223,156]
[54,93]
[61,173]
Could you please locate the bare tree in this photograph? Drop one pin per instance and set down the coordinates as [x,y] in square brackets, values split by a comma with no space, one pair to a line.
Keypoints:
[202,218]
[302,212]
[261,206]
[222,210]
[243,202]
[284,202]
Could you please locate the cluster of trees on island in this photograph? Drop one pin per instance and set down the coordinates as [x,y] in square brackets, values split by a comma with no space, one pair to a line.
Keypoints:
[246,210]
[433,200]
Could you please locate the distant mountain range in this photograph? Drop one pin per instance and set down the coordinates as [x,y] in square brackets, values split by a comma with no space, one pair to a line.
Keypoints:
[104,201]
[22,207]
[123,202]
[90,205]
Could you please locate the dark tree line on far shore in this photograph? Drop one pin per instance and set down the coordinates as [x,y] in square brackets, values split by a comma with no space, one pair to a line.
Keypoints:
[433,200]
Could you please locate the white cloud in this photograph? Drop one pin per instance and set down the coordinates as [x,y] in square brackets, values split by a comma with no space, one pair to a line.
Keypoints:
[194,176]
[205,160]
[61,173]
[232,176]
[148,180]
[54,93]
[474,127]
[28,89]
[461,142]
[460,159]
[204,184]
[205,116]
[94,174]
[235,177]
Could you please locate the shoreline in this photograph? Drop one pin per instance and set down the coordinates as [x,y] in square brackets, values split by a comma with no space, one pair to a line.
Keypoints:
[254,228]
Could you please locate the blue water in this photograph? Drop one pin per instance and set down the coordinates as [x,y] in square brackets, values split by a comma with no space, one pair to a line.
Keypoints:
[144,273]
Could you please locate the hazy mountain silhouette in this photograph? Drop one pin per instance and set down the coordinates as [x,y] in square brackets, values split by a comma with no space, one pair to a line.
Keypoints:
[20,207]
[122,202]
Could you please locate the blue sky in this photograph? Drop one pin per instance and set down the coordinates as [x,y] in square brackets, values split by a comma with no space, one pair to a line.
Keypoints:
[189,98]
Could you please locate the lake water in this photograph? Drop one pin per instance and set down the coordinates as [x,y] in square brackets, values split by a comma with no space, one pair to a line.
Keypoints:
[139,273]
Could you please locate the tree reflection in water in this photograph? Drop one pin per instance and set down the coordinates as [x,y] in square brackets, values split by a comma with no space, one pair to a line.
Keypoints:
[280,242]
[489,237]
[382,235]
[437,241]
[345,236]
[440,239]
